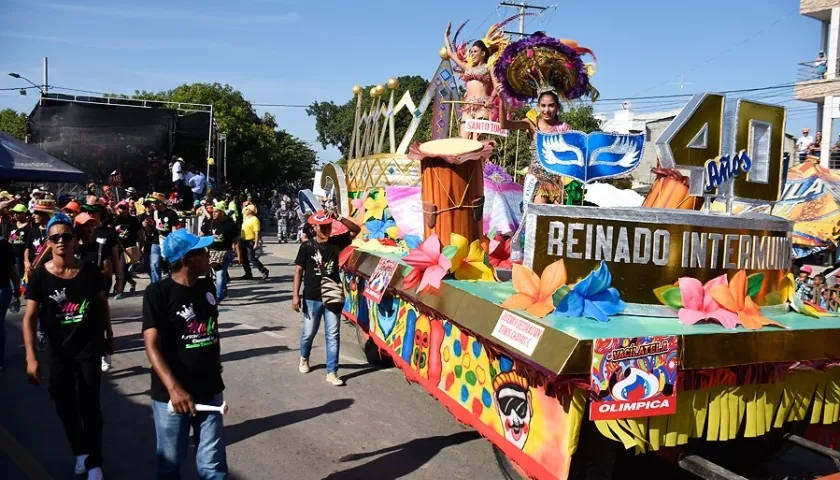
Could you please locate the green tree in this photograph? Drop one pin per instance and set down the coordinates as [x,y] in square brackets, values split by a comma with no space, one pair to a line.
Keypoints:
[334,123]
[259,151]
[13,123]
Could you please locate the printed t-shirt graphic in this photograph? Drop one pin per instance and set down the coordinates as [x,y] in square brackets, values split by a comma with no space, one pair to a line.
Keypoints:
[320,260]
[186,319]
[164,221]
[70,315]
[18,238]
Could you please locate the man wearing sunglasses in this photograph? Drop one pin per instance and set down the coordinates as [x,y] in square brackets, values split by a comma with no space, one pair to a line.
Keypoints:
[181,334]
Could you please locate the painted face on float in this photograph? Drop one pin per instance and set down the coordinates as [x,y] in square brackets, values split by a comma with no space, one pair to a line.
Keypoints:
[515,410]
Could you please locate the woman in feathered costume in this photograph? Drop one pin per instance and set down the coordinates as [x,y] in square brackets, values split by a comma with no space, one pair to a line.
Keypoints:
[476,70]
[548,70]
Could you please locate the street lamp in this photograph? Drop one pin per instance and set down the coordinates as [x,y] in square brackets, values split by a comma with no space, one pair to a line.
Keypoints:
[19,76]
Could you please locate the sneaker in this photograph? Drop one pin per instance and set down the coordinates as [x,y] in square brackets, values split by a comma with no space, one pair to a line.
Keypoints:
[95,474]
[334,379]
[246,277]
[119,296]
[106,363]
[303,366]
[80,469]
[265,275]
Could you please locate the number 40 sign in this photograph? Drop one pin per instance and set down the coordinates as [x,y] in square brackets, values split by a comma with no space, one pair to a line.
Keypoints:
[733,150]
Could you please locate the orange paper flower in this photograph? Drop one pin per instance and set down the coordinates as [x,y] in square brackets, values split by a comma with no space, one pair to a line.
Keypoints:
[733,297]
[534,293]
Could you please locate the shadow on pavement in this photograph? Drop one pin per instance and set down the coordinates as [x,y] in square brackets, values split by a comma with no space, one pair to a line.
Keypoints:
[400,460]
[358,370]
[251,353]
[251,428]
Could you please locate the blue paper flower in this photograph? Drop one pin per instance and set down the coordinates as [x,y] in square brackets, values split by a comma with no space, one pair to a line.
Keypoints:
[378,228]
[412,241]
[593,297]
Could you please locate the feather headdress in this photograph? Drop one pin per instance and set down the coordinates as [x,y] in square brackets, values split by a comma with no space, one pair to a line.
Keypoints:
[495,40]
[539,64]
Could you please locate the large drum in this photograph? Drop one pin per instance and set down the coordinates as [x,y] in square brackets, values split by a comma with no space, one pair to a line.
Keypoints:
[452,186]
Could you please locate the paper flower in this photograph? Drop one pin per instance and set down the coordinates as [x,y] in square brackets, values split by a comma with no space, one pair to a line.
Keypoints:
[500,252]
[533,292]
[412,241]
[593,297]
[733,297]
[468,262]
[375,207]
[698,303]
[359,206]
[428,265]
[380,229]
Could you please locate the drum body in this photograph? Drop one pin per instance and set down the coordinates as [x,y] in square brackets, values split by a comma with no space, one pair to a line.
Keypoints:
[453,186]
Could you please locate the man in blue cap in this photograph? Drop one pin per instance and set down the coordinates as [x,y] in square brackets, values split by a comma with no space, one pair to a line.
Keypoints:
[181,334]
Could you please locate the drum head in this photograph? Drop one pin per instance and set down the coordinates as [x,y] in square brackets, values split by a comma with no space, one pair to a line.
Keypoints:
[450,147]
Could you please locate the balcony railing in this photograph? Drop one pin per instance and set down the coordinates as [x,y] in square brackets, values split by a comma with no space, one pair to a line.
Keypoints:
[833,159]
[813,70]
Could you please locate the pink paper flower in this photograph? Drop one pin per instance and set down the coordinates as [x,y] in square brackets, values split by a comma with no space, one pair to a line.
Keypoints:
[428,264]
[698,303]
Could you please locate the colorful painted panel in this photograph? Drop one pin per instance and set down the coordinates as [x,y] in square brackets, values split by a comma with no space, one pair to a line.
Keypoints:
[481,388]
[354,308]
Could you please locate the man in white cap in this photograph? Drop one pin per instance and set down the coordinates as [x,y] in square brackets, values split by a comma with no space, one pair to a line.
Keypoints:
[804,144]
[178,172]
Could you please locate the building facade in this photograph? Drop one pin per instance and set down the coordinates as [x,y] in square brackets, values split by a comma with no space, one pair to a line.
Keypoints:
[818,80]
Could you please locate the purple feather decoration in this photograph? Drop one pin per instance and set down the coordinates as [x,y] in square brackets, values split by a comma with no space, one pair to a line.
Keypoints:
[457,32]
[521,47]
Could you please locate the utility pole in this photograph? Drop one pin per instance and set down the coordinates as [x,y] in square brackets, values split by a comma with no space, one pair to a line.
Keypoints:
[682,83]
[523,8]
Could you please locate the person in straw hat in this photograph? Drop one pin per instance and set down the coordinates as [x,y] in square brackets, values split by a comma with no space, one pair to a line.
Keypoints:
[165,221]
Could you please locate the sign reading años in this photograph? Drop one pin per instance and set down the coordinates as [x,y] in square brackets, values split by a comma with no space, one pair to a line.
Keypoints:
[380,279]
[634,377]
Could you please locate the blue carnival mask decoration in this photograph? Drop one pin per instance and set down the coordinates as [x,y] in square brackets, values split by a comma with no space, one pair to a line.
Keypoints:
[589,157]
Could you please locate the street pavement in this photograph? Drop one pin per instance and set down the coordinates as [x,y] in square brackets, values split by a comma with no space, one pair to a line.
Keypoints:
[282,424]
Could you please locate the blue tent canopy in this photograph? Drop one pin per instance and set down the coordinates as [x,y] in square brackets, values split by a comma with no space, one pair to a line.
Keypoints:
[23,162]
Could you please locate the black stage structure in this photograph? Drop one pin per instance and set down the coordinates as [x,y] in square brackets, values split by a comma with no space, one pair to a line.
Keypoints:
[136,137]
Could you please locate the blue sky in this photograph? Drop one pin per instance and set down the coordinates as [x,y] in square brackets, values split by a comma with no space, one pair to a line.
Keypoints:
[297,52]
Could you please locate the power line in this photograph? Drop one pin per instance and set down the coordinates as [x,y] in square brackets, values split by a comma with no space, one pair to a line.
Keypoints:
[724,52]
[16,88]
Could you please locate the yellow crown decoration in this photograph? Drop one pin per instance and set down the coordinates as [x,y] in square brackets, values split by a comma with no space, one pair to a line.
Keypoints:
[373,163]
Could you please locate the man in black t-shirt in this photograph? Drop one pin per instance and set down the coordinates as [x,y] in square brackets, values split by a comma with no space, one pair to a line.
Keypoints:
[166,221]
[19,236]
[127,229]
[9,287]
[225,234]
[181,334]
[317,265]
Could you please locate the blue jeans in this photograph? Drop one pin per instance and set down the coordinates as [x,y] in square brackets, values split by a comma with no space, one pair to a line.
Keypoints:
[313,310]
[154,263]
[221,278]
[5,301]
[173,436]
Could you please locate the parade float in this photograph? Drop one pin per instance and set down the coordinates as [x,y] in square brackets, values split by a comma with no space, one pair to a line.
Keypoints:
[666,328]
